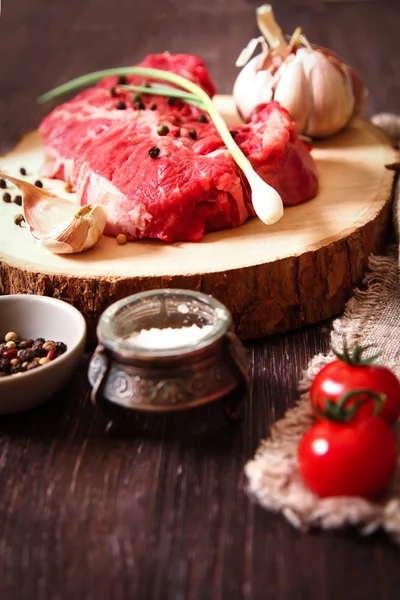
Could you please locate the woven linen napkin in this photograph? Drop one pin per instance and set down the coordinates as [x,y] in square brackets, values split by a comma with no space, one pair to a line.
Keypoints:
[371,317]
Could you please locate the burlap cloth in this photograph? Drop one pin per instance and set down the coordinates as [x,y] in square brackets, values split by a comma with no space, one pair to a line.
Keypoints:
[372,316]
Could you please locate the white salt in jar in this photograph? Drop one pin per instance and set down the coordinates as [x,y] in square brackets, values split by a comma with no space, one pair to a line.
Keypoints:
[166,350]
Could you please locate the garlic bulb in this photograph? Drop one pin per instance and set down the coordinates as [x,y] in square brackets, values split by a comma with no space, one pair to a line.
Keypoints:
[59,224]
[321,92]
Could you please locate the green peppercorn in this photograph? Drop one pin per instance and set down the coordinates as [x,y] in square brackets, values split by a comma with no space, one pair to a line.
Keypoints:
[162,130]
[154,152]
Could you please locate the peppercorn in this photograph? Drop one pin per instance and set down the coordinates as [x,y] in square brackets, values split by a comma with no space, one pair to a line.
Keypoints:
[7,197]
[171,101]
[121,239]
[18,200]
[202,118]
[11,336]
[154,152]
[32,365]
[113,92]
[49,345]
[162,130]
[27,355]
[3,184]
[234,133]
[153,106]
[19,219]
[122,79]
[136,98]
[120,105]
[61,347]
[139,105]
[22,171]
[193,134]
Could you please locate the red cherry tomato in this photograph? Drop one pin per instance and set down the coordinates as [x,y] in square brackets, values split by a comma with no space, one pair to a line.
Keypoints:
[352,459]
[338,377]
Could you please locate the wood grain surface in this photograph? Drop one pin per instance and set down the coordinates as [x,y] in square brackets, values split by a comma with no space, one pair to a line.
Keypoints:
[161,512]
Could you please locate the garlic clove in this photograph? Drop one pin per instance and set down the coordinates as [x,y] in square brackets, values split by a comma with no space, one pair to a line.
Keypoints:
[57,223]
[252,87]
[332,94]
[293,92]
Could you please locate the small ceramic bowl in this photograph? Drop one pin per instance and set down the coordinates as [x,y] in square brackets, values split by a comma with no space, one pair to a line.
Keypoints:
[40,316]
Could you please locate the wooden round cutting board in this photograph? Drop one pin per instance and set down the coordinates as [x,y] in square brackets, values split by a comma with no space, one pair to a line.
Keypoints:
[272,278]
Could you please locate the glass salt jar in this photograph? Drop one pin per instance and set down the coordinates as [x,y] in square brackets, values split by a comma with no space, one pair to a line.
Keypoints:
[167,350]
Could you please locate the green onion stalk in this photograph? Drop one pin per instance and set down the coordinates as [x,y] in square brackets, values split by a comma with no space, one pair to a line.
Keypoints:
[266,201]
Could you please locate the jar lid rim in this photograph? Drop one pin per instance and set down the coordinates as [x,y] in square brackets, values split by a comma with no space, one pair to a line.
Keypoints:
[127,350]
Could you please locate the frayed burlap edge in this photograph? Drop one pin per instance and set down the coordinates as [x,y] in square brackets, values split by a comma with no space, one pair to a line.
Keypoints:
[273,476]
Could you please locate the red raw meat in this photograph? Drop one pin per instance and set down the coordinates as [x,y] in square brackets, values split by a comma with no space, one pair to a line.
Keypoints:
[193,185]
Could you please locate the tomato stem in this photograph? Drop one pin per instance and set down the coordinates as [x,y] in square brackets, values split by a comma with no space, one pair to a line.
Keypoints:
[340,413]
[354,357]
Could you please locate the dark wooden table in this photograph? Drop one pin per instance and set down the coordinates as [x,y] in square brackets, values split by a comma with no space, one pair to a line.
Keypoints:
[161,512]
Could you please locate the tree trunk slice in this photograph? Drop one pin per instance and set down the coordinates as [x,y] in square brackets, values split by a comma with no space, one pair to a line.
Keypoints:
[272,278]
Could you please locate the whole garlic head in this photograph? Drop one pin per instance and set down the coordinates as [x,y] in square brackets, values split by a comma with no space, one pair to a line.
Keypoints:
[321,92]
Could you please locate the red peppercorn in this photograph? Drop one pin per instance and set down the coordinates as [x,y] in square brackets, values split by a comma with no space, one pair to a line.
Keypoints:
[12,353]
[51,354]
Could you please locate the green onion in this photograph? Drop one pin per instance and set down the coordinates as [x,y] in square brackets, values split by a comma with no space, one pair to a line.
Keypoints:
[164,90]
[266,201]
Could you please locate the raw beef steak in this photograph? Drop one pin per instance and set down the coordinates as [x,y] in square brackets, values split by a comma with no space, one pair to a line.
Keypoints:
[177,185]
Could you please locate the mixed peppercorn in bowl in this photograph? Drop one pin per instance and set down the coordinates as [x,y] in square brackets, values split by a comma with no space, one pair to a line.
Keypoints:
[41,342]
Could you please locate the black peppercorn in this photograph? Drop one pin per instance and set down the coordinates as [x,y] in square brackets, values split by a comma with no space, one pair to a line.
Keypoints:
[162,130]
[61,347]
[139,105]
[153,106]
[18,200]
[193,134]
[113,92]
[154,152]
[202,118]
[122,79]
[22,171]
[3,184]
[234,133]
[171,101]
[120,105]
[7,197]
[38,183]
[19,219]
